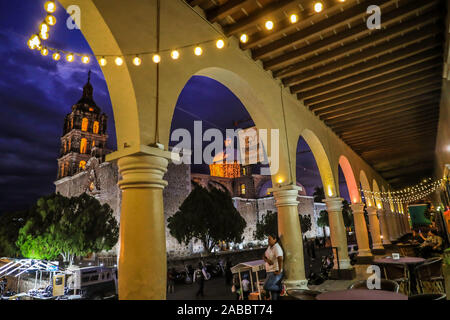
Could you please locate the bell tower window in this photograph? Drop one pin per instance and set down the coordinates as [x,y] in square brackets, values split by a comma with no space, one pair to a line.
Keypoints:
[84,124]
[242,189]
[83,145]
[96,127]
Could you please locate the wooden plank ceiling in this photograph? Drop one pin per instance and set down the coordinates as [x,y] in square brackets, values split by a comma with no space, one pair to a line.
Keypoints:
[378,90]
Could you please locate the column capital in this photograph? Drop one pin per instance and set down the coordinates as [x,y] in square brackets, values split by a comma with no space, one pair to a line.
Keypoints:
[143,169]
[371,211]
[357,208]
[286,195]
[333,204]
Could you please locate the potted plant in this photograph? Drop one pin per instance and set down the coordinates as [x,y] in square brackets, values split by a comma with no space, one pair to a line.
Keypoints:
[446,271]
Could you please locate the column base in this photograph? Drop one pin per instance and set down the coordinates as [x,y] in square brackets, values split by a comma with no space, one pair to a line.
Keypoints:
[364,259]
[296,284]
[343,274]
[378,251]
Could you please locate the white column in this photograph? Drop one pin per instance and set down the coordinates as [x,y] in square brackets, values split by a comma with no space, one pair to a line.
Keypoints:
[290,235]
[338,233]
[374,225]
[362,236]
[384,226]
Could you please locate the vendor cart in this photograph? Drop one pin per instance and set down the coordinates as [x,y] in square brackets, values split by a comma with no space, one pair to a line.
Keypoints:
[250,266]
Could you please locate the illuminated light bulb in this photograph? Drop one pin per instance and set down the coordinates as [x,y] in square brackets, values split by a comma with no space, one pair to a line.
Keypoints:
[34,42]
[118,61]
[102,61]
[175,54]
[156,58]
[244,38]
[85,59]
[330,192]
[293,18]
[220,44]
[280,181]
[70,57]
[137,61]
[44,52]
[318,7]
[44,28]
[269,25]
[56,56]
[43,35]
[50,6]
[198,51]
[51,20]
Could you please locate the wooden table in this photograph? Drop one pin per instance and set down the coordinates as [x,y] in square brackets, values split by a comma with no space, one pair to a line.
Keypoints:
[361,294]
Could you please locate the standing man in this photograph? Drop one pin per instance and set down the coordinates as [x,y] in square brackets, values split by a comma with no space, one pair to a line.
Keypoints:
[199,277]
[274,266]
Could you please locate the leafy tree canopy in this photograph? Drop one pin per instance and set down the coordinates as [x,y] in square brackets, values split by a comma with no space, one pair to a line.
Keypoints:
[269,225]
[69,227]
[208,216]
[10,224]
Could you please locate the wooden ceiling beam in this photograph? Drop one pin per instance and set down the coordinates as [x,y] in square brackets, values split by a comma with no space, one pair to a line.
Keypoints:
[427,133]
[384,37]
[306,18]
[400,106]
[392,87]
[344,17]
[361,106]
[406,126]
[402,75]
[221,12]
[354,33]
[384,49]
[313,81]
[386,119]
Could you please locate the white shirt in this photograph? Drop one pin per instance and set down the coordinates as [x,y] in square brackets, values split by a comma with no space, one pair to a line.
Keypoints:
[245,285]
[272,253]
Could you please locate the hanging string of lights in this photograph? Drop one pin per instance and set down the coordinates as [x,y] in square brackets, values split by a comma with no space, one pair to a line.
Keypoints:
[36,42]
[406,195]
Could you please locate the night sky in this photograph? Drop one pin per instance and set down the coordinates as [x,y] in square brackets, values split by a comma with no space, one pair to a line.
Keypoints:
[36,93]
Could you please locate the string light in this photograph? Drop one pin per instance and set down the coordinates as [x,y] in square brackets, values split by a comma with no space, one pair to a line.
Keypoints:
[44,52]
[137,61]
[56,56]
[293,18]
[198,51]
[70,57]
[118,61]
[156,58]
[51,20]
[102,61]
[318,7]
[220,44]
[243,38]
[85,59]
[50,6]
[269,25]
[175,54]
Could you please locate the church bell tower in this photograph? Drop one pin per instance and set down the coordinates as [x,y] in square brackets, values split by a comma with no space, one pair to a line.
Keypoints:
[84,135]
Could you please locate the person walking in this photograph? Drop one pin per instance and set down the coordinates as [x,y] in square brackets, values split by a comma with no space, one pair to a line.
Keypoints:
[199,278]
[274,266]
[171,281]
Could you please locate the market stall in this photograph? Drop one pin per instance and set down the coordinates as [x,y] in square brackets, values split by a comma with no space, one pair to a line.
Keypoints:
[251,267]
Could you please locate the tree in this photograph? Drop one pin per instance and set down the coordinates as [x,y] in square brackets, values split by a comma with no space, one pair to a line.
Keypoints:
[67,227]
[319,194]
[269,225]
[10,224]
[208,216]
[347,214]
[323,221]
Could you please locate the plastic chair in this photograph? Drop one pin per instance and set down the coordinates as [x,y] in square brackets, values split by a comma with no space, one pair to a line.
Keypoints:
[400,274]
[429,276]
[386,285]
[429,296]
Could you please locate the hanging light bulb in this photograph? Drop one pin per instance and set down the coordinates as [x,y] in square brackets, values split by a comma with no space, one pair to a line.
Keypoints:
[44,51]
[156,58]
[318,7]
[118,61]
[50,6]
[51,20]
[43,35]
[175,54]
[244,38]
[85,59]
[293,18]
[198,51]
[220,44]
[44,28]
[34,42]
[70,57]
[269,25]
[102,61]
[137,61]
[56,56]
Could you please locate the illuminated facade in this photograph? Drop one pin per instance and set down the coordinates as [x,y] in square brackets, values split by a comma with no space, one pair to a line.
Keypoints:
[84,135]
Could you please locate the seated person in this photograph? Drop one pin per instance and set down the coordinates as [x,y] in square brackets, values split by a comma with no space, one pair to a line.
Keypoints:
[245,287]
[416,237]
[432,243]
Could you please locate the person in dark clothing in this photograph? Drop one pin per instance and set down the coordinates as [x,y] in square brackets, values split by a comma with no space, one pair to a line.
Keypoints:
[312,249]
[228,273]
[199,278]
